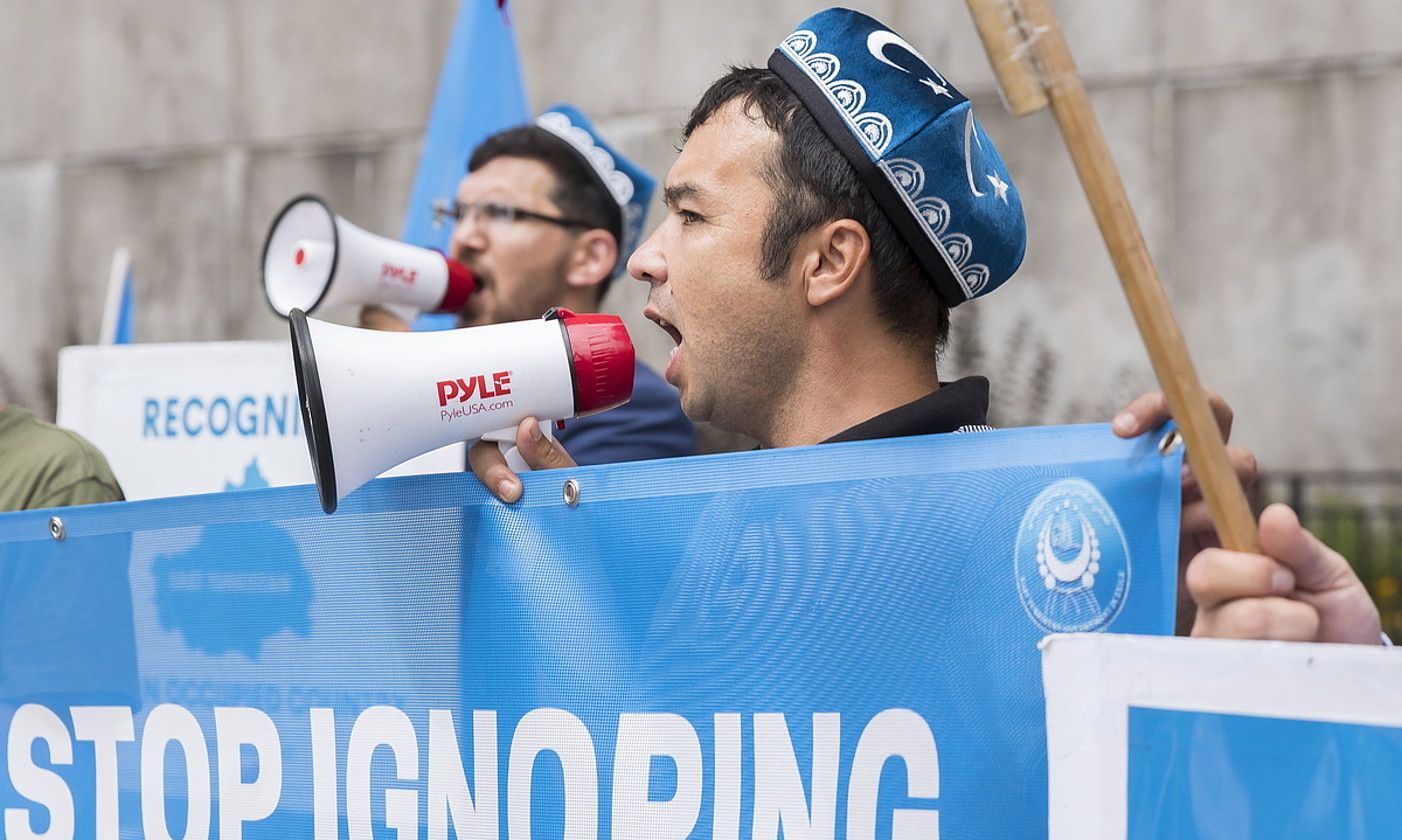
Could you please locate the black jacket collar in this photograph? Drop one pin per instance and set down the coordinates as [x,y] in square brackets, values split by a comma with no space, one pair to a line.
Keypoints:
[949,408]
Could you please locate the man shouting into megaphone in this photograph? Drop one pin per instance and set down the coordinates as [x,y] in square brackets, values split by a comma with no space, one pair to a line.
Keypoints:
[546,216]
[825,214]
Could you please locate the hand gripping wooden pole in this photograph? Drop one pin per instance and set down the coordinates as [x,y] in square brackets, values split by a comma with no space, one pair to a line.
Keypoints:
[1034,67]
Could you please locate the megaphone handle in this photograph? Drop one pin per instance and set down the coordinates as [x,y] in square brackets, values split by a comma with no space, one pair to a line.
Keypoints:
[407,314]
[513,457]
[506,442]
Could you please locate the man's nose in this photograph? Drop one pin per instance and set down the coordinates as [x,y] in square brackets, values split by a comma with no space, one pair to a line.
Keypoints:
[648,263]
[468,235]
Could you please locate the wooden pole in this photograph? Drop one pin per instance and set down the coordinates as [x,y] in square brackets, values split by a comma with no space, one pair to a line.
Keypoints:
[1056,74]
[1002,39]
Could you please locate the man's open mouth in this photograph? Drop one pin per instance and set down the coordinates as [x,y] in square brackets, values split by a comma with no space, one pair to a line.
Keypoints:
[667,326]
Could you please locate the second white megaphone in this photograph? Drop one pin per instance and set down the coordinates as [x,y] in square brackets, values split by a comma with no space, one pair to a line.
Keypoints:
[313,258]
[371,400]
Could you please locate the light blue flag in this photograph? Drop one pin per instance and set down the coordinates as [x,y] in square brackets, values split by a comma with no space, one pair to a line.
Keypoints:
[124,334]
[841,637]
[118,311]
[480,92]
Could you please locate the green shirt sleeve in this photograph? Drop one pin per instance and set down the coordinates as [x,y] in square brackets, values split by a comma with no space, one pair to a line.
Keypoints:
[86,491]
[42,465]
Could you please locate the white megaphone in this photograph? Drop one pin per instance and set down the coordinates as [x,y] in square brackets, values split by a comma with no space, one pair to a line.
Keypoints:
[314,258]
[372,400]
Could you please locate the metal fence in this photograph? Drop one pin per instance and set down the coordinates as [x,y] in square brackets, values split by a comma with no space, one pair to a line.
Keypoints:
[1359,514]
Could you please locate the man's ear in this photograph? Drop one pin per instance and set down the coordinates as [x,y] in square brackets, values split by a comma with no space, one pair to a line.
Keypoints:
[834,258]
[592,259]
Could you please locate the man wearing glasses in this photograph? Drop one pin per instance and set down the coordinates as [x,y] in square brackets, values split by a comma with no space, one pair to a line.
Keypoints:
[547,216]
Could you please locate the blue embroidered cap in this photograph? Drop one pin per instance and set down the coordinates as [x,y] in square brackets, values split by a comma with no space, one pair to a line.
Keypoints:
[630,186]
[913,139]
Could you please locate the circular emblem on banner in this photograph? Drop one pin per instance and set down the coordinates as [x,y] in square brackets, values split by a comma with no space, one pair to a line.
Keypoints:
[1071,561]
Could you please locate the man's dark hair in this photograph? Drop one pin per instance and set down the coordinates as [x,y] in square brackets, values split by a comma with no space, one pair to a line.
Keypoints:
[578,191]
[814,184]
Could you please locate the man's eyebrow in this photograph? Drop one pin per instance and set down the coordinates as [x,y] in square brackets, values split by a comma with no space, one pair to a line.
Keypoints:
[674,194]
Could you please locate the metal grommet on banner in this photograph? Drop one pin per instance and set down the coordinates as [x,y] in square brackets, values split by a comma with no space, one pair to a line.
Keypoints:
[571,492]
[56,529]
[1169,443]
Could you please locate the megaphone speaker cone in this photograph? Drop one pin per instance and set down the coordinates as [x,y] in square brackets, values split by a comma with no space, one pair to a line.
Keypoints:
[300,255]
[313,409]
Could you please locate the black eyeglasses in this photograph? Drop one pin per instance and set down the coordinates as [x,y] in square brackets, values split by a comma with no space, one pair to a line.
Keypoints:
[492,212]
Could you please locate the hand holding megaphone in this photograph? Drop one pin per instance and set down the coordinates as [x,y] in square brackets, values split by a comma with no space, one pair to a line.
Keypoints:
[313,258]
[500,457]
[505,439]
[371,400]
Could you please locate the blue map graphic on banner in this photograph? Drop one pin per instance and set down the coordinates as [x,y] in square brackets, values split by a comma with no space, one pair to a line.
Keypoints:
[239,585]
[252,478]
[839,640]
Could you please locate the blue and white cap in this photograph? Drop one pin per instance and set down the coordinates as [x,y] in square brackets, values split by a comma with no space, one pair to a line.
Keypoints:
[630,186]
[913,139]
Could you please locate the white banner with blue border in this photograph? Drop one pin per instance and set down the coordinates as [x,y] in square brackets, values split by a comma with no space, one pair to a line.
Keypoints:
[1212,738]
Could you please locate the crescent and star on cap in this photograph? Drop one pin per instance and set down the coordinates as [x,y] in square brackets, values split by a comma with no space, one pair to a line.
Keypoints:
[877,42]
[882,38]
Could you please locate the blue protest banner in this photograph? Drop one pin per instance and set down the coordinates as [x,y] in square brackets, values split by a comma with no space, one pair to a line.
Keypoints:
[479,93]
[835,641]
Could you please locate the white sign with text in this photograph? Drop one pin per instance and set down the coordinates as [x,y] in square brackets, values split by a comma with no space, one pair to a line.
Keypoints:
[180,419]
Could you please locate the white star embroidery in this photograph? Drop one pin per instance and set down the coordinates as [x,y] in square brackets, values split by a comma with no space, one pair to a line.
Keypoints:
[1000,187]
[940,90]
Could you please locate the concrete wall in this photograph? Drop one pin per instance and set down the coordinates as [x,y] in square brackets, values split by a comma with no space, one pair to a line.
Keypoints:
[1260,141]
